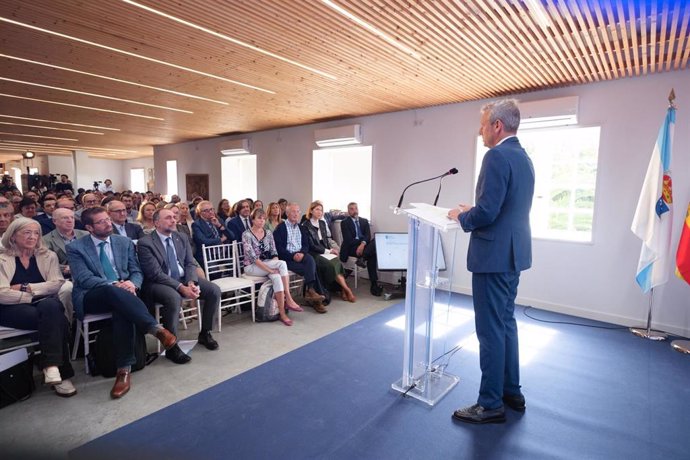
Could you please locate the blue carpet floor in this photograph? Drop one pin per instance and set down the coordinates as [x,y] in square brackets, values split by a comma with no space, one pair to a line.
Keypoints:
[591,394]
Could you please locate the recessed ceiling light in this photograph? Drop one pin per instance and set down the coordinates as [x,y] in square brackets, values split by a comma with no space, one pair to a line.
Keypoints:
[83,107]
[29,154]
[50,127]
[372,29]
[230,39]
[73,147]
[128,53]
[40,137]
[178,93]
[94,95]
[60,122]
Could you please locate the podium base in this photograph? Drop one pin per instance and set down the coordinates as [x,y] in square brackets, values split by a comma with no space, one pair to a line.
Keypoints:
[649,335]
[682,346]
[430,388]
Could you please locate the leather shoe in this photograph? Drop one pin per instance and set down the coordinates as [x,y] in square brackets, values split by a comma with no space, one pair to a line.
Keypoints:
[122,383]
[477,414]
[166,338]
[176,355]
[312,296]
[376,290]
[207,340]
[361,262]
[319,307]
[515,402]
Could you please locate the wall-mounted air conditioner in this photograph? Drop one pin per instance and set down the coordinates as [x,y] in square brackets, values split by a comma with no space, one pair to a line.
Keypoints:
[561,111]
[235,147]
[338,136]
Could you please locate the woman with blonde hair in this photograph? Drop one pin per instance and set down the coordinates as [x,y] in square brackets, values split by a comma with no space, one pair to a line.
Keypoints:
[325,252]
[224,210]
[145,217]
[273,216]
[30,279]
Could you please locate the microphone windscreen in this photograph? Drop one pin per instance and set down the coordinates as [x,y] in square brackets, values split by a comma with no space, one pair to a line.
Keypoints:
[453,171]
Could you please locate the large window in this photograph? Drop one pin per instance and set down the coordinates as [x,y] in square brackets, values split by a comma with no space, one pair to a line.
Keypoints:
[238,180]
[565,166]
[341,175]
[137,179]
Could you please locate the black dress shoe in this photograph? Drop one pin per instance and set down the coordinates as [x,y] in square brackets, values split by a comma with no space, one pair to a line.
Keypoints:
[515,402]
[361,262]
[206,340]
[176,355]
[376,290]
[477,414]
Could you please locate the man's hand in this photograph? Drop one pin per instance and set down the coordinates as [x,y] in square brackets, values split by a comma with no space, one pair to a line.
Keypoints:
[454,213]
[360,249]
[298,256]
[127,286]
[188,292]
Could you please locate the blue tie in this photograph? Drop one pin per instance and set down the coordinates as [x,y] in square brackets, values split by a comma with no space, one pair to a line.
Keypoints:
[172,260]
[214,230]
[105,262]
[358,230]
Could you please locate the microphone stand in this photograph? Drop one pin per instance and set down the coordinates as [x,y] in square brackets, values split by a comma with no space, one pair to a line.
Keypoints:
[415,183]
[439,189]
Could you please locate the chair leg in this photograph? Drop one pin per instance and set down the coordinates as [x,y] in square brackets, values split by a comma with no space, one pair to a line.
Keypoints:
[77,338]
[356,275]
[198,313]
[253,297]
[85,334]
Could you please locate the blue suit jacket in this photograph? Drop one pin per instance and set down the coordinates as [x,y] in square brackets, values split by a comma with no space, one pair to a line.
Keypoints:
[235,228]
[280,236]
[87,271]
[202,235]
[501,239]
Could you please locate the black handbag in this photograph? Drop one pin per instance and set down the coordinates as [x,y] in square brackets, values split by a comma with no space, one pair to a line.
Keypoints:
[16,383]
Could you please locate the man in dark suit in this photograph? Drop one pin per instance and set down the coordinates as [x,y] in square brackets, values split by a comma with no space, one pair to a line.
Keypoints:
[207,229]
[106,277]
[292,244]
[118,214]
[500,248]
[357,242]
[237,225]
[170,275]
[46,219]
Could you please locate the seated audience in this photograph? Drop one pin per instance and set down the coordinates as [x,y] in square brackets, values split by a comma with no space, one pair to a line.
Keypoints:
[325,252]
[237,225]
[283,208]
[68,203]
[145,216]
[207,229]
[88,200]
[357,242]
[64,185]
[258,204]
[27,207]
[30,280]
[132,213]
[261,259]
[292,245]
[106,277]
[118,215]
[273,218]
[170,275]
[185,221]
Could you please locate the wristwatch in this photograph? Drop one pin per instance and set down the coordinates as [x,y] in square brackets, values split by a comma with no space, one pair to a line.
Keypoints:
[24,287]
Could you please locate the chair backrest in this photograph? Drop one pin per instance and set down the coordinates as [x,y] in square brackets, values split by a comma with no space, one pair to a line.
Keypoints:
[337,232]
[219,261]
[238,249]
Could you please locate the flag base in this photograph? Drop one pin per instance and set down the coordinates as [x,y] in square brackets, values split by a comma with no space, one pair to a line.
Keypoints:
[648,333]
[682,346]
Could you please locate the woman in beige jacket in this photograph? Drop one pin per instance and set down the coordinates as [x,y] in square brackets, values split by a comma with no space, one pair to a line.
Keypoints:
[30,279]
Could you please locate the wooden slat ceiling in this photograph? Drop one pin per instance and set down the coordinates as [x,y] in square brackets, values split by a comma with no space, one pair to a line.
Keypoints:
[264,64]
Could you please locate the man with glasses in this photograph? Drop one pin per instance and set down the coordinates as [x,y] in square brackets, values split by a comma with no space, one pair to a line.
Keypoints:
[240,223]
[207,229]
[89,200]
[118,214]
[6,216]
[128,200]
[107,277]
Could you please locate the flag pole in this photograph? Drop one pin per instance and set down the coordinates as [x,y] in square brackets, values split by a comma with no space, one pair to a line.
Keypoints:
[648,332]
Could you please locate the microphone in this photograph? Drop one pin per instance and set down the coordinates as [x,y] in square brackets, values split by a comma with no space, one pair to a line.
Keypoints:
[452,171]
[447,173]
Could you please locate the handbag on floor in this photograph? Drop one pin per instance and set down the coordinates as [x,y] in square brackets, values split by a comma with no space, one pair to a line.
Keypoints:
[266,304]
[16,377]
[102,359]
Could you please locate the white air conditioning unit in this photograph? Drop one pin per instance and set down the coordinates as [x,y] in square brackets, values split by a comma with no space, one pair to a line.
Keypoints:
[561,111]
[235,147]
[338,136]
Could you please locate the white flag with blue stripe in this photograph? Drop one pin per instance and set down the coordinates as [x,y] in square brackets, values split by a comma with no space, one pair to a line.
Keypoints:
[654,215]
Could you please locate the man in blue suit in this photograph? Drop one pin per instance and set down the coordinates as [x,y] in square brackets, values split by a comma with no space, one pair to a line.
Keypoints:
[207,229]
[107,277]
[500,248]
[237,225]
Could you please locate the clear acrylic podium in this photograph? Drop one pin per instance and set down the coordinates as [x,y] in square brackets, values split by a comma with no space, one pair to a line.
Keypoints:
[427,299]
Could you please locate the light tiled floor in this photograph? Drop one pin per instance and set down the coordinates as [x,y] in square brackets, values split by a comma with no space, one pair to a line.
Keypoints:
[48,424]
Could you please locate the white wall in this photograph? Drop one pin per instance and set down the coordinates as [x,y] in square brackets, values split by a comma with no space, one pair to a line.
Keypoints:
[61,164]
[90,169]
[128,165]
[590,280]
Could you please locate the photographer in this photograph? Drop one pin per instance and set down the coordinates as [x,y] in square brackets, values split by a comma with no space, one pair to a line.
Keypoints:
[64,184]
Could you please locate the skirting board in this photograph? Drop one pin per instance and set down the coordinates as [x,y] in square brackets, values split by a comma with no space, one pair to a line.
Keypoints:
[589,314]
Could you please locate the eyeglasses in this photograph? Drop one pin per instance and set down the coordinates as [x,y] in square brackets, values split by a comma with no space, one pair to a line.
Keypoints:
[103,221]
[118,210]
[206,210]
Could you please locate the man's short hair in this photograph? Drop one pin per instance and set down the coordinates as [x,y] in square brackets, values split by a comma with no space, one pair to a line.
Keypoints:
[27,201]
[505,110]
[88,213]
[282,201]
[352,203]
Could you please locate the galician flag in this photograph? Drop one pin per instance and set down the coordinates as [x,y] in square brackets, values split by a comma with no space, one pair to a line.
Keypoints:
[654,215]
